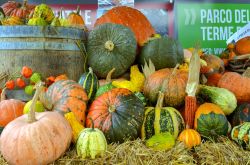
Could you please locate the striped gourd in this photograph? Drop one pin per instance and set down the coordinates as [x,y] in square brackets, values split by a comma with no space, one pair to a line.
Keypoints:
[161,119]
[241,134]
[90,83]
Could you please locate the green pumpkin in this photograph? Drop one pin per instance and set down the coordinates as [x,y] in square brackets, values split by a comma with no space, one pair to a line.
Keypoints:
[224,98]
[37,22]
[161,119]
[111,46]
[162,141]
[91,143]
[164,52]
[241,114]
[241,134]
[90,83]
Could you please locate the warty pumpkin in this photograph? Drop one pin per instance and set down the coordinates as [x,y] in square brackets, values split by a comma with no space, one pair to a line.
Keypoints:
[45,12]
[175,86]
[237,84]
[118,113]
[35,138]
[130,17]
[66,96]
[111,46]
[190,137]
[9,109]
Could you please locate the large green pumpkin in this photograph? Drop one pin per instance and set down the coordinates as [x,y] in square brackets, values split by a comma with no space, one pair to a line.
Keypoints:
[161,119]
[241,114]
[111,46]
[164,52]
[241,134]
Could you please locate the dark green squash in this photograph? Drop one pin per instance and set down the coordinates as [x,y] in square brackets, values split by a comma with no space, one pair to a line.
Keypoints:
[1,129]
[170,120]
[111,46]
[164,52]
[90,83]
[241,114]
[118,113]
[241,134]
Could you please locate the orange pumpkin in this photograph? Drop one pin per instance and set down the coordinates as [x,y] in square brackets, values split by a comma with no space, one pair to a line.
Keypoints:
[190,137]
[9,109]
[237,84]
[75,19]
[66,96]
[174,94]
[35,138]
[13,20]
[243,46]
[129,17]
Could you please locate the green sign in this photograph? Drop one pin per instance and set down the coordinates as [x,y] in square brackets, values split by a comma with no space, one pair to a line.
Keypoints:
[209,24]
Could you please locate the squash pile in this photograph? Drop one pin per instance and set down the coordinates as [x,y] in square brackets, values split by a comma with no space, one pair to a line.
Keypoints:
[143,96]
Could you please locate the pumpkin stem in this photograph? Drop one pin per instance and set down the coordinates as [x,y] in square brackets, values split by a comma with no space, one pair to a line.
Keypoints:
[109,76]
[78,10]
[111,108]
[90,70]
[25,2]
[158,112]
[3,94]
[32,114]
[109,45]
[92,124]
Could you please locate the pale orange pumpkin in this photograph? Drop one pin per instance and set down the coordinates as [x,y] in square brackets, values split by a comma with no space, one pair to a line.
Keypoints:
[190,137]
[75,19]
[35,139]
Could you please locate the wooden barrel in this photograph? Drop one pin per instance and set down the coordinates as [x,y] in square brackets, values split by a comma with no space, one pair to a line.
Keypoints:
[47,50]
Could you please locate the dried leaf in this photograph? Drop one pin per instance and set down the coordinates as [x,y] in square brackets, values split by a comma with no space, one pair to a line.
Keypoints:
[148,69]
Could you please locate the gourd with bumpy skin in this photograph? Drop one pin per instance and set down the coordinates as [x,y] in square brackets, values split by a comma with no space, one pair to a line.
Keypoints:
[225,99]
[45,12]
[111,46]
[37,22]
[163,52]
[91,143]
[241,134]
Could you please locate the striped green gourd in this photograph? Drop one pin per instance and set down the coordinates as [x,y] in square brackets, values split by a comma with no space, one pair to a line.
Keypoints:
[241,134]
[90,83]
[161,119]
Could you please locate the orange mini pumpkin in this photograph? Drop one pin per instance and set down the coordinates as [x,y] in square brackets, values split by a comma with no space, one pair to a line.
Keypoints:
[243,46]
[190,137]
[75,19]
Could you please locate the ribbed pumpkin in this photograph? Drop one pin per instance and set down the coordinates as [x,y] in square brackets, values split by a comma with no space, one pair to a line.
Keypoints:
[174,88]
[66,96]
[210,121]
[12,21]
[243,46]
[35,138]
[131,18]
[12,8]
[9,109]
[111,46]
[75,19]
[164,52]
[237,84]
[241,114]
[161,119]
[90,83]
[190,137]
[241,134]
[118,113]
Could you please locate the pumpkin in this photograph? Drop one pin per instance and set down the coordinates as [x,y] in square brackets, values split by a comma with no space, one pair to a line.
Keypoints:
[164,52]
[210,121]
[16,9]
[190,138]
[75,19]
[241,134]
[75,125]
[11,21]
[66,96]
[242,46]
[237,84]
[131,18]
[9,109]
[35,138]
[91,143]
[225,99]
[161,119]
[111,46]
[38,21]
[162,141]
[90,83]
[45,12]
[118,113]
[214,64]
[241,114]
[175,86]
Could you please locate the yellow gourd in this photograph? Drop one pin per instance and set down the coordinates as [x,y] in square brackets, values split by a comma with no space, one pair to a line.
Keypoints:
[75,125]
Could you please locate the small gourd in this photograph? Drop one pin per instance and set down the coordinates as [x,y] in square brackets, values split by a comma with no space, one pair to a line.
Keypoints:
[38,21]
[162,141]
[190,137]
[91,143]
[56,21]
[241,134]
[45,12]
[76,20]
[75,125]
